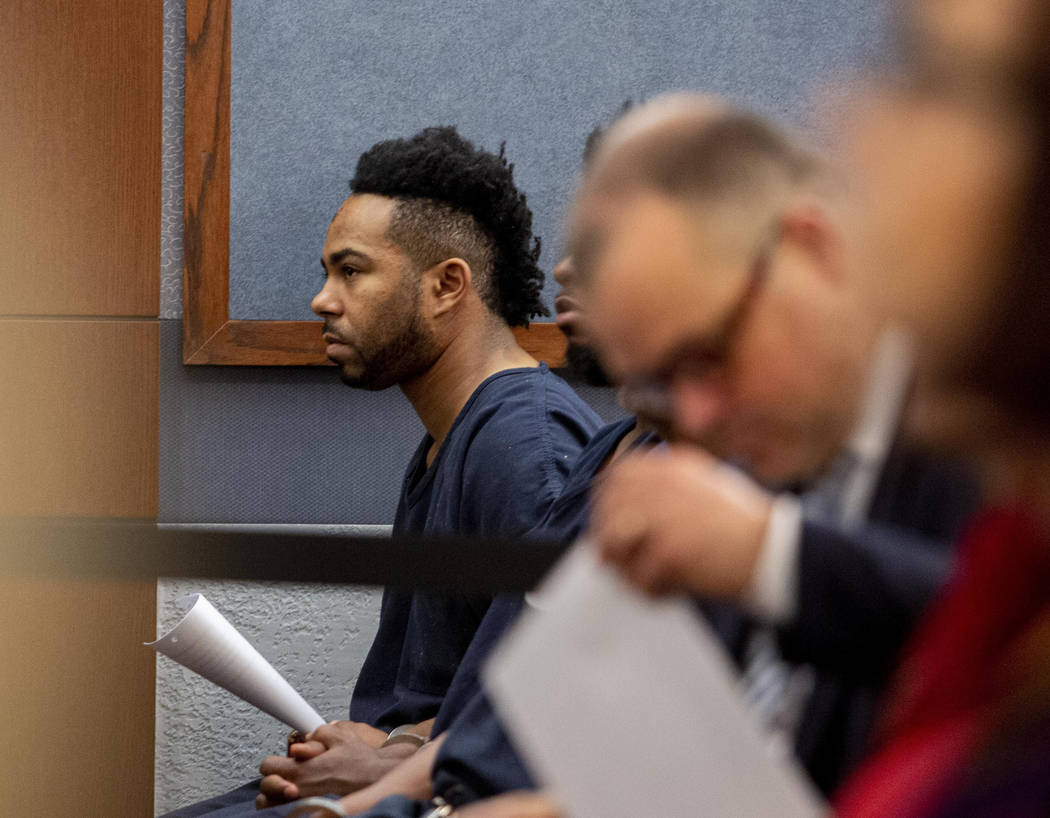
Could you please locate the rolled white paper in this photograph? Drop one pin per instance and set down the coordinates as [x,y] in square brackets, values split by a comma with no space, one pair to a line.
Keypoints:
[206,643]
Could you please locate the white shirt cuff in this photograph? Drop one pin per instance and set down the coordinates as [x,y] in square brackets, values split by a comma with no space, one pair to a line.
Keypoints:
[773,593]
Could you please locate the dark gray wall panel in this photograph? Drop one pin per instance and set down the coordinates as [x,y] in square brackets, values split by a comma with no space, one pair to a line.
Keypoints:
[276,445]
[315,82]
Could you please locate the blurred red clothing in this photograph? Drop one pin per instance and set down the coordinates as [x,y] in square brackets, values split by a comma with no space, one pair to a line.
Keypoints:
[967,730]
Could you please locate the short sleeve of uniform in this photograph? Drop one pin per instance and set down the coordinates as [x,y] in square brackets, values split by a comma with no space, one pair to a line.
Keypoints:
[518,451]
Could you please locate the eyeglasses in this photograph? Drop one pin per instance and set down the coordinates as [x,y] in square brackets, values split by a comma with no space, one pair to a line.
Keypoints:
[703,358]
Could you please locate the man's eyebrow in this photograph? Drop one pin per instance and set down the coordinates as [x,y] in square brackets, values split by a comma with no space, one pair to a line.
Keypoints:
[337,256]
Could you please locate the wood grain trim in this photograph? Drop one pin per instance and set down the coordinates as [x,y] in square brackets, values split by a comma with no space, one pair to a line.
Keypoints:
[78,417]
[78,689]
[209,336]
[298,343]
[80,157]
[206,236]
[545,342]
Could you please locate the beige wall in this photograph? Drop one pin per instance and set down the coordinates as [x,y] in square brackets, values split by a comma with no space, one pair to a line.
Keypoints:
[79,253]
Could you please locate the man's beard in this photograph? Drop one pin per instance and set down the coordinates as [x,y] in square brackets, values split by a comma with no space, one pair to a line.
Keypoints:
[407,355]
[584,365]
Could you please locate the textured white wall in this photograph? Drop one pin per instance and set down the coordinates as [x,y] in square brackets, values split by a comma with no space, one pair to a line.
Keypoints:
[207,740]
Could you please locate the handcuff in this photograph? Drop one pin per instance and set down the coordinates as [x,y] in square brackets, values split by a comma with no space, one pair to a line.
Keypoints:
[441,809]
[404,735]
[306,807]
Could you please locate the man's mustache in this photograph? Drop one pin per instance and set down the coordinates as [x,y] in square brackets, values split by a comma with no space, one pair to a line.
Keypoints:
[331,335]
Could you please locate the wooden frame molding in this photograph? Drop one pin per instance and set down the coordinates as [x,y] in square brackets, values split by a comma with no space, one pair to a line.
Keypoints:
[209,335]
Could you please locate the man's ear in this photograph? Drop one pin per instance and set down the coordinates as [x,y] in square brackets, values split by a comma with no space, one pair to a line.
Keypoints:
[810,229]
[446,284]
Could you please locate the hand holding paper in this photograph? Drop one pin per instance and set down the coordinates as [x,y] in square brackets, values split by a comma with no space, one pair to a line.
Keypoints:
[206,643]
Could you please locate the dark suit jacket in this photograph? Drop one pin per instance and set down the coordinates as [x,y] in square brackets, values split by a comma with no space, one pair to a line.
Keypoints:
[860,596]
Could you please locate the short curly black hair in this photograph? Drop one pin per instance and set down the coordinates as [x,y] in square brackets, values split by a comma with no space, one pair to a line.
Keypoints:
[454,199]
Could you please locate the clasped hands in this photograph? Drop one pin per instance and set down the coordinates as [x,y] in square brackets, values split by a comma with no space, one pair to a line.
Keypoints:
[337,758]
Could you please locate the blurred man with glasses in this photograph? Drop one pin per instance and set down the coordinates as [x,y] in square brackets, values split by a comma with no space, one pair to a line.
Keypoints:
[713,254]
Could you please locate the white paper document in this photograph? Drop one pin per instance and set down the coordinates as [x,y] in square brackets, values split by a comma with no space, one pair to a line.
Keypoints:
[206,643]
[628,707]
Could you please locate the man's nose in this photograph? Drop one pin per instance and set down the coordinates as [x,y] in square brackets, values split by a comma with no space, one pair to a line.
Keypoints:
[697,404]
[325,302]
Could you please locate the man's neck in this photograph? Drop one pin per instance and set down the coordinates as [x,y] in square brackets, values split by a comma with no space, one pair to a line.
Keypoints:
[438,395]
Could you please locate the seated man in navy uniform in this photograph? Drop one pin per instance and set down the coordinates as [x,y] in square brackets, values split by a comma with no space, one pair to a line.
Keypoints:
[471,756]
[428,265]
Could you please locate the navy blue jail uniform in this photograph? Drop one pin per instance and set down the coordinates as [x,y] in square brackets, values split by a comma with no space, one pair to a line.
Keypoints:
[477,759]
[501,466]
